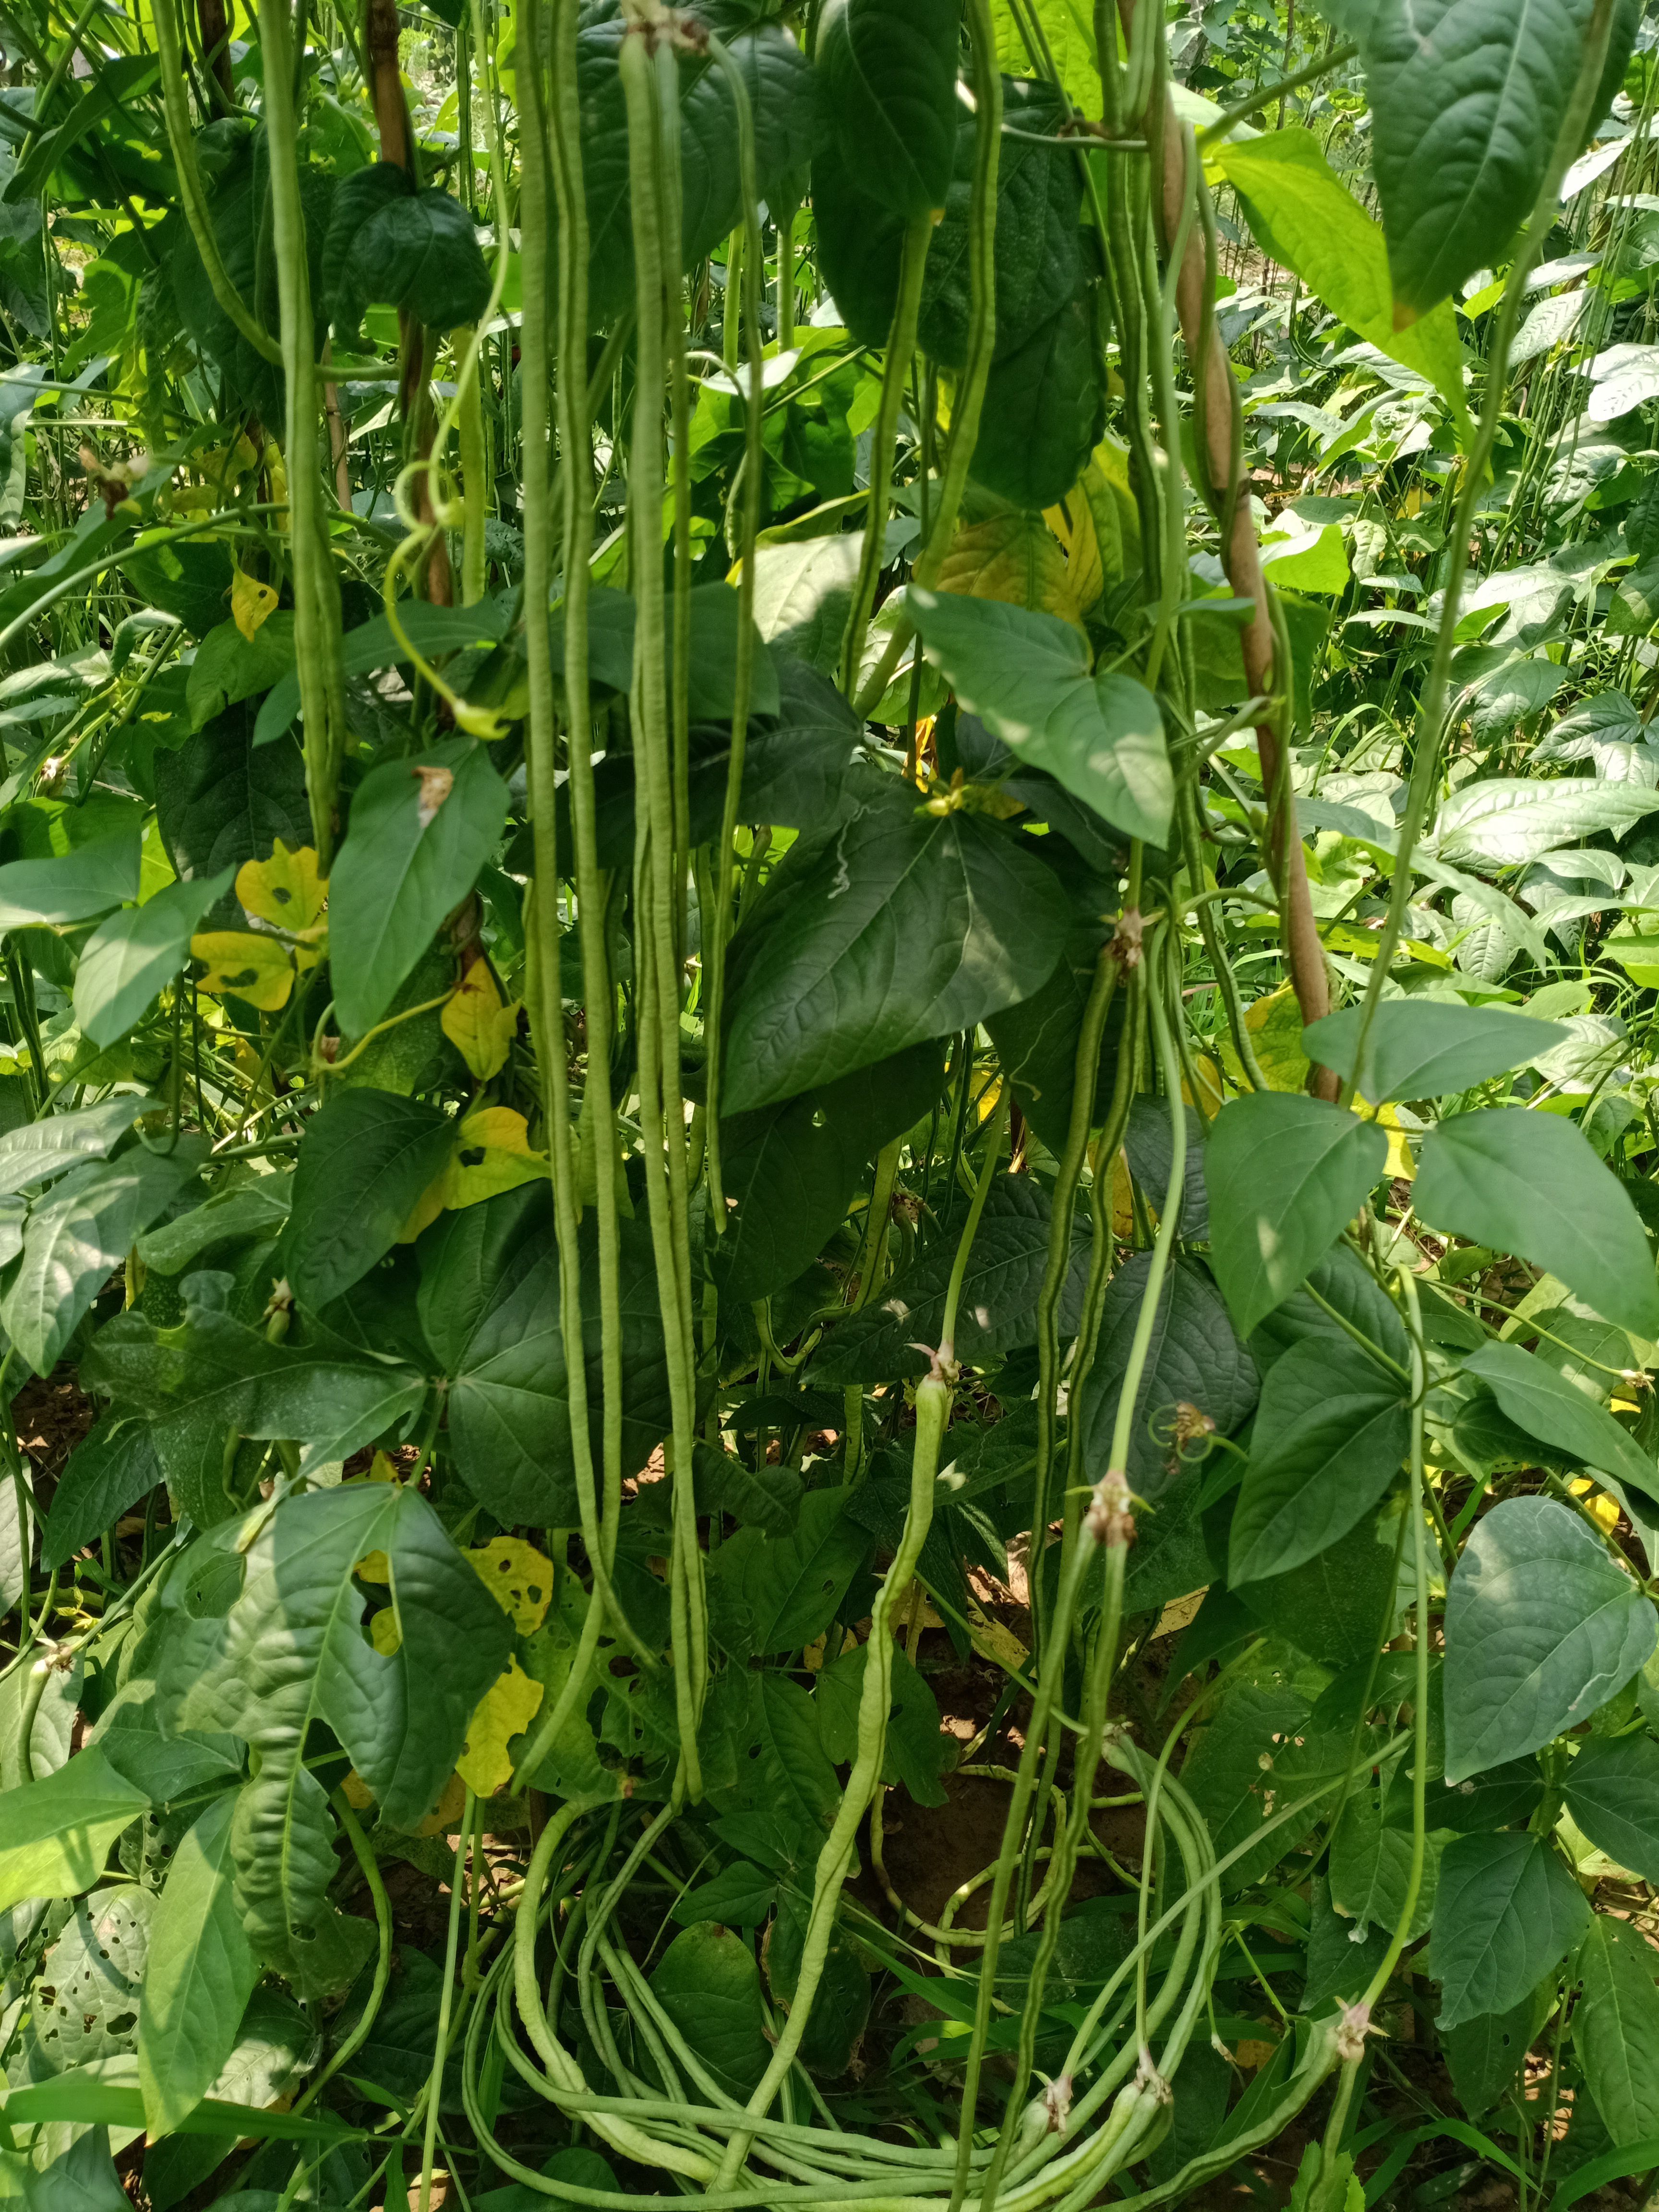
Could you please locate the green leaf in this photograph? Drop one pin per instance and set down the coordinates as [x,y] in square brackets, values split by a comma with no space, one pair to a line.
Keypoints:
[1026,675]
[489,1304]
[1371,1868]
[1506,1911]
[739,1896]
[768,1594]
[1615,2028]
[709,1986]
[767,1498]
[1331,1431]
[1539,1398]
[46,1148]
[1530,1183]
[915,1751]
[1286,1175]
[1421,1049]
[390,244]
[1044,410]
[1303,216]
[236,1212]
[888,69]
[765,1761]
[421,828]
[81,2099]
[1193,1358]
[56,1833]
[219,802]
[367,1158]
[291,1651]
[229,667]
[211,1374]
[112,1467]
[199,1976]
[1000,1293]
[792,1179]
[73,886]
[1612,1791]
[1253,1759]
[860,248]
[78,1235]
[1037,240]
[897,930]
[1542,1627]
[1337,1606]
[1502,822]
[1467,99]
[130,958]
[1345,1283]
[1485,2054]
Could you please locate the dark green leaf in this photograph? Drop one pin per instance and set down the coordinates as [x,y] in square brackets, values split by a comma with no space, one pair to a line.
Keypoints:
[708,1984]
[1542,1627]
[1254,1761]
[1285,1174]
[792,1178]
[415,251]
[898,930]
[739,1896]
[1339,1605]
[1484,2054]
[1038,242]
[889,70]
[916,1751]
[860,247]
[767,1498]
[768,1594]
[421,830]
[1043,411]
[219,802]
[367,1158]
[1194,1359]
[1330,1434]
[1000,1293]
[869,1109]
[1506,1911]
[489,1299]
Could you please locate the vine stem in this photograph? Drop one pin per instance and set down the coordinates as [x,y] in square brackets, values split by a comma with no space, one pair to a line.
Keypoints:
[316,591]
[1241,555]
[896,375]
[1431,710]
[446,2004]
[543,932]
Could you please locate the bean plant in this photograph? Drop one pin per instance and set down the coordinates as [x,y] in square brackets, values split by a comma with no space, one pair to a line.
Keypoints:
[830,903]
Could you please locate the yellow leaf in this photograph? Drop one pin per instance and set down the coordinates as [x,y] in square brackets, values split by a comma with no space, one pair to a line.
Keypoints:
[1209,1080]
[1112,509]
[285,890]
[476,1023]
[1074,523]
[376,1568]
[256,968]
[492,1154]
[251,602]
[427,1207]
[447,1813]
[357,1792]
[518,1577]
[509,1706]
[1603,1508]
[1013,558]
[1123,1204]
[1275,1026]
[386,1631]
